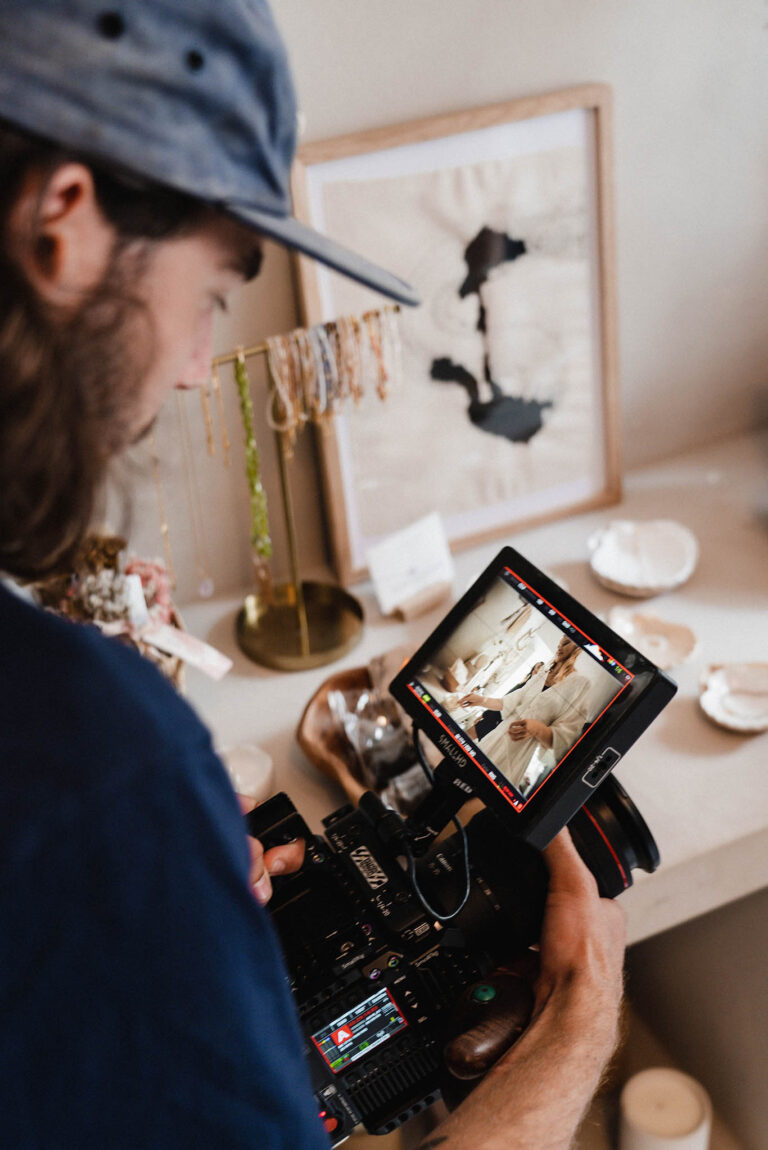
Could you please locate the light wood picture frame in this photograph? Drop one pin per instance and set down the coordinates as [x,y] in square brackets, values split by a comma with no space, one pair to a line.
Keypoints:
[507,411]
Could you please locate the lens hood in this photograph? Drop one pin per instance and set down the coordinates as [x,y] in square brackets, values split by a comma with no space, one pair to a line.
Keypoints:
[613,838]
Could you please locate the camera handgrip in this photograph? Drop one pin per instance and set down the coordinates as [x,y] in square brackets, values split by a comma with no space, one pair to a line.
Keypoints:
[488,1018]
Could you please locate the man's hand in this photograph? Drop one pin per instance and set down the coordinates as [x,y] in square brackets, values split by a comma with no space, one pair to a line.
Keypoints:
[537,1092]
[278,860]
[583,936]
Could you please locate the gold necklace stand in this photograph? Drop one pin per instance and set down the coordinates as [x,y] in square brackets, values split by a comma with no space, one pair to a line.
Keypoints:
[301,624]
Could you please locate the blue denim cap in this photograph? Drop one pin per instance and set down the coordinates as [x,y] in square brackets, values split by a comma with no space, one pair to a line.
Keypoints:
[194,94]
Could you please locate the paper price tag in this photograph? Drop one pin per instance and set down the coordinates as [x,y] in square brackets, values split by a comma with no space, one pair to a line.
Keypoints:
[187,647]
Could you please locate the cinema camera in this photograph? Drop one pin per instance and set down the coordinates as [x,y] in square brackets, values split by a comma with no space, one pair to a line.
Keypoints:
[408,951]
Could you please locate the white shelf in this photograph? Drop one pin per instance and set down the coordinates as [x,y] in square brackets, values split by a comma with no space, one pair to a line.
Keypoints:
[703,791]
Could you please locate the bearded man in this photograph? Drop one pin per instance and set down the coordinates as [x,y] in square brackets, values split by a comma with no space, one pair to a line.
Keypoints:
[145,150]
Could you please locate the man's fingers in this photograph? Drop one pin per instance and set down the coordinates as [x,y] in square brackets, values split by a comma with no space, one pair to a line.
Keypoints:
[567,871]
[285,859]
[277,860]
[259,877]
[262,888]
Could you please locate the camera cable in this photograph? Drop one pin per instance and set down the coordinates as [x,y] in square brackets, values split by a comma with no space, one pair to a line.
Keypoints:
[464,846]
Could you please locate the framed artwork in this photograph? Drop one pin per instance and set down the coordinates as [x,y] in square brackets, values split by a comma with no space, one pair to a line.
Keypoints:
[506,412]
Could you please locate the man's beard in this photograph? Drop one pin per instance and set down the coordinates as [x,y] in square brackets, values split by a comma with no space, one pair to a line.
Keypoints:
[107,349]
[69,396]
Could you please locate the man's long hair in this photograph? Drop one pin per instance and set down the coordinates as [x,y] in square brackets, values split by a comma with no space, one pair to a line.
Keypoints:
[66,381]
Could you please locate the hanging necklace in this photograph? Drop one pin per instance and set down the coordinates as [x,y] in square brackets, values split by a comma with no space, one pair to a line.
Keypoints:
[206,585]
[161,508]
[207,419]
[225,444]
[261,544]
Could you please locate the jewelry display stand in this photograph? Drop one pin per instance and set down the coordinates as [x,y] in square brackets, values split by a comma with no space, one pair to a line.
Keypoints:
[299,624]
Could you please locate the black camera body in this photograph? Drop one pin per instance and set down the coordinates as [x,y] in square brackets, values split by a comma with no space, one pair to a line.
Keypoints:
[375,977]
[394,935]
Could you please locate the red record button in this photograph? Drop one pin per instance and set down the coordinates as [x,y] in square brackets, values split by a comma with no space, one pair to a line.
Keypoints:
[330,1123]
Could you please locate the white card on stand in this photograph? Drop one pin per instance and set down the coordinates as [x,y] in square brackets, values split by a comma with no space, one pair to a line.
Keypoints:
[406,565]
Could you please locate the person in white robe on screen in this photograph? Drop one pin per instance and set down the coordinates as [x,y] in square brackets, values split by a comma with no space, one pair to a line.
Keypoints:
[540,722]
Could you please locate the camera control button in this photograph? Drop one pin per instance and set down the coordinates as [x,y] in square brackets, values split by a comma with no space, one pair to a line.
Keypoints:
[601,766]
[484,993]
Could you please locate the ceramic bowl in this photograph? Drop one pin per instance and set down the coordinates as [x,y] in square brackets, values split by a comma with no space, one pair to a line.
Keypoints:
[643,558]
[324,743]
[735,696]
[665,644]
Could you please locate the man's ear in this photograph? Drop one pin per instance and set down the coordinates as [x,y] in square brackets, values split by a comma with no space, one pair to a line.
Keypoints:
[61,237]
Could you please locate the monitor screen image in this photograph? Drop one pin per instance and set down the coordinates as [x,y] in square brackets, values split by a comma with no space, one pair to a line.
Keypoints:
[516,685]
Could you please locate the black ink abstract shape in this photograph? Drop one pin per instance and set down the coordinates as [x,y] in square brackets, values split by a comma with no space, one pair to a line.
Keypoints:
[512,417]
[484,253]
[517,420]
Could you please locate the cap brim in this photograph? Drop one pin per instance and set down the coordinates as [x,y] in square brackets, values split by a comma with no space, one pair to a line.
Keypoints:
[293,234]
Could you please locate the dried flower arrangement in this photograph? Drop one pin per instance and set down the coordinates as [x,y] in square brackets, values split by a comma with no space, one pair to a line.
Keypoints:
[121,602]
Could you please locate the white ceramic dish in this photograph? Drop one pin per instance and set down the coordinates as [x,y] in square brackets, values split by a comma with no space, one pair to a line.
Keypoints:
[643,558]
[735,696]
[665,644]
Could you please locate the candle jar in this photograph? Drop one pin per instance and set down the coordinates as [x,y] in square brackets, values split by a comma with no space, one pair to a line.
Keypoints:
[664,1109]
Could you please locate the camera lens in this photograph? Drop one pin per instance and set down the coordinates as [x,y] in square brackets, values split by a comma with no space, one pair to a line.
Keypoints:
[613,838]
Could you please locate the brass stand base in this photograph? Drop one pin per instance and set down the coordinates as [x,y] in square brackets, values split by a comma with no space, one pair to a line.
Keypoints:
[279,634]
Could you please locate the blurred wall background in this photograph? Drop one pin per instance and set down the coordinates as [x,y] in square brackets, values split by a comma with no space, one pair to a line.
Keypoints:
[690,84]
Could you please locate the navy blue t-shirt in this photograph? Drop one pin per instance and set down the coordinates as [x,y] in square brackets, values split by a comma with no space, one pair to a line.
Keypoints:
[143,999]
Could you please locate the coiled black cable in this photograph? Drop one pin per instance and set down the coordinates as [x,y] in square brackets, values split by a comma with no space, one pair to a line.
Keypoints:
[464,845]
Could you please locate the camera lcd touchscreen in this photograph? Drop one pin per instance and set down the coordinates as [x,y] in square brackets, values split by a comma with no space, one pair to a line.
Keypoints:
[536,693]
[517,685]
[359,1030]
